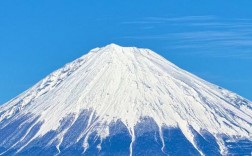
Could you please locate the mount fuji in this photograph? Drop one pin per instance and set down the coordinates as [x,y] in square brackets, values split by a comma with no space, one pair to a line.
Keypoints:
[125,101]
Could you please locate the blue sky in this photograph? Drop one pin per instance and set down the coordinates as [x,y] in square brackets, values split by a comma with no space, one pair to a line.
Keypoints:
[212,39]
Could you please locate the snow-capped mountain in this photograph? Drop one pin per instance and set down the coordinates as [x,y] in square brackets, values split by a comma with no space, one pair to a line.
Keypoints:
[125,101]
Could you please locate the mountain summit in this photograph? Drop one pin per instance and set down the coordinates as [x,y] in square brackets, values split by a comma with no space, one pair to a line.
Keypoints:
[125,101]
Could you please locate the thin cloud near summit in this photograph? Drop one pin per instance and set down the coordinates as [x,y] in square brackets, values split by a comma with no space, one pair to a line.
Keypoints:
[206,35]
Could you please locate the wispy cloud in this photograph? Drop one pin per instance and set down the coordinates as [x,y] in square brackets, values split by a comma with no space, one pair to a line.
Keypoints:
[162,20]
[206,35]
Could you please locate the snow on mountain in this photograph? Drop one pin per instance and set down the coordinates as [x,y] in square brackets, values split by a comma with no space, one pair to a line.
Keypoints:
[134,89]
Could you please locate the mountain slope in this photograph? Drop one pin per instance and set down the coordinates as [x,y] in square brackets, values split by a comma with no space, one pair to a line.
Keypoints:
[129,96]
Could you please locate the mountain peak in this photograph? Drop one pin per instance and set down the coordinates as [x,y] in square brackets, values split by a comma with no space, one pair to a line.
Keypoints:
[113,45]
[120,54]
[127,85]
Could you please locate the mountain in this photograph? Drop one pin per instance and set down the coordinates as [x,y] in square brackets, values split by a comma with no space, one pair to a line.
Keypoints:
[125,101]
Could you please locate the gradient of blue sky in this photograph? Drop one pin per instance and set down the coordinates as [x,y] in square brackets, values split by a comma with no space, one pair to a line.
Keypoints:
[212,39]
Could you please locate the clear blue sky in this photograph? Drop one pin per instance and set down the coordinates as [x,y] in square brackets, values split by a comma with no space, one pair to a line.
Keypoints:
[212,39]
